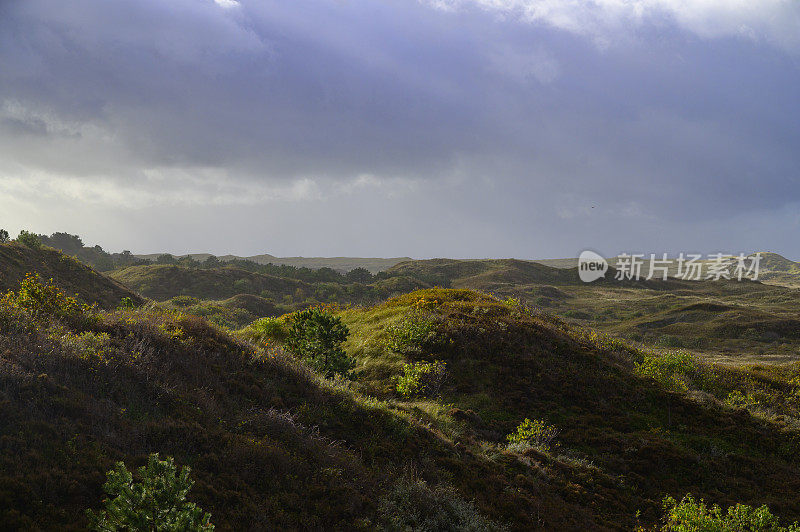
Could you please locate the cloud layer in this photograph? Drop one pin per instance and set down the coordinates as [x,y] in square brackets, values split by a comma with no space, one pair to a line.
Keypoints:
[456,127]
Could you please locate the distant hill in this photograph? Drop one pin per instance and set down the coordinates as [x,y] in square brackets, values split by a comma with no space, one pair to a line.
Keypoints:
[772,262]
[482,274]
[779,270]
[342,264]
[72,276]
[162,282]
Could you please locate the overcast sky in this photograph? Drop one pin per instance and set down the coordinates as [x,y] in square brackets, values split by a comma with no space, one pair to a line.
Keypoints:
[462,128]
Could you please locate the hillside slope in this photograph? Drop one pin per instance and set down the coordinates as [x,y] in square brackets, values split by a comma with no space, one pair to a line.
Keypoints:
[274,446]
[73,277]
[271,445]
[626,440]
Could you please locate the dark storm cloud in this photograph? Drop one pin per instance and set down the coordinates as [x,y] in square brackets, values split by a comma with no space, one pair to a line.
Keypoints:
[498,116]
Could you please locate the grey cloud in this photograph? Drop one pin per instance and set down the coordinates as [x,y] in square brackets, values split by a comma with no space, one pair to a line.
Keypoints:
[488,126]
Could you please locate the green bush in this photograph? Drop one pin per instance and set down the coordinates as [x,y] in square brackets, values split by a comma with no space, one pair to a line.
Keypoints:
[317,336]
[4,236]
[266,330]
[669,368]
[29,239]
[737,399]
[421,378]
[157,503]
[690,515]
[88,344]
[40,300]
[536,433]
[412,335]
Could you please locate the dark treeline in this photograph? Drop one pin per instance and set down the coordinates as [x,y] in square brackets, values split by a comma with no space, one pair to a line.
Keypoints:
[94,256]
[102,260]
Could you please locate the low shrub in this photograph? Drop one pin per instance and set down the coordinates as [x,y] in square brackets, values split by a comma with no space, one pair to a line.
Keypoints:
[690,515]
[267,330]
[668,368]
[37,300]
[412,505]
[157,502]
[184,301]
[87,344]
[737,399]
[537,433]
[421,378]
[412,335]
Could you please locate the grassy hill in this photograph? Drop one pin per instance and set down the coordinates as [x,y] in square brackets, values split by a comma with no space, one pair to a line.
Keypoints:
[724,320]
[161,282]
[778,270]
[16,260]
[164,282]
[625,440]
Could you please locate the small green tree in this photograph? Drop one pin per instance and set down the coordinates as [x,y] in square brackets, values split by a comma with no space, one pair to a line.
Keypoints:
[317,336]
[4,238]
[157,503]
[29,239]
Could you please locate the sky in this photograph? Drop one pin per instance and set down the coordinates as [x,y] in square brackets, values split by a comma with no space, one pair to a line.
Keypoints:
[422,128]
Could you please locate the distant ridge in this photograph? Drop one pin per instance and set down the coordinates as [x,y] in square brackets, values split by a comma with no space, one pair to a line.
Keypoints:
[342,264]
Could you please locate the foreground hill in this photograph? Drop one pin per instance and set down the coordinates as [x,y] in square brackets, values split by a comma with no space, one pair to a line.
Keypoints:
[274,446]
[16,260]
[626,439]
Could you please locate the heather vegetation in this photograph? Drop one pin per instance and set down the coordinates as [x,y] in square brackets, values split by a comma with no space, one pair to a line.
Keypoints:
[432,409]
